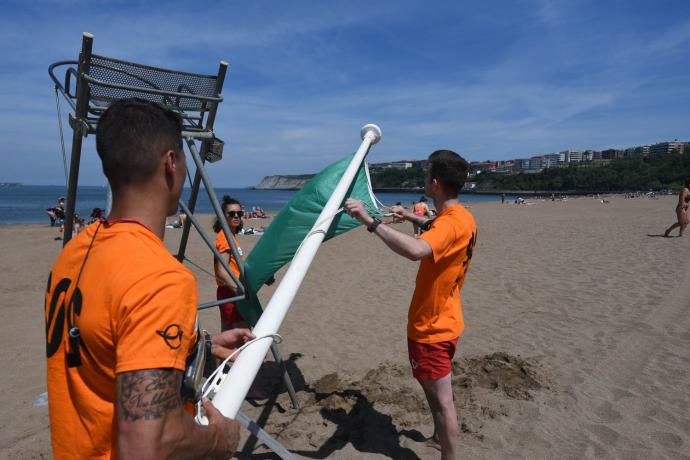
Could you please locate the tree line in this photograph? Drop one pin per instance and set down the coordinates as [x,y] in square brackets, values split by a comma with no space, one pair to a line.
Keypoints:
[625,174]
[398,178]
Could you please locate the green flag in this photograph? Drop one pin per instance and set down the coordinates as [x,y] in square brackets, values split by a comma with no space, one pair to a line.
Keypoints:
[283,237]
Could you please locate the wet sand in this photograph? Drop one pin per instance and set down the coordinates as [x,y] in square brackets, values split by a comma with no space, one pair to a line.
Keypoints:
[577,340]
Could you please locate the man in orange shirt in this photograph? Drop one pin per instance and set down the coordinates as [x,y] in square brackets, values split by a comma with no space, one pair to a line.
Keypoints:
[121,311]
[434,320]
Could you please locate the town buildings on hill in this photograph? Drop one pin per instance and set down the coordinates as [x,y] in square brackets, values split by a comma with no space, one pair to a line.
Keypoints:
[538,163]
[402,164]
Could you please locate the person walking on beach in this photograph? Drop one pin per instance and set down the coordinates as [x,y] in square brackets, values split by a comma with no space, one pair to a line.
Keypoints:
[121,312]
[434,320]
[681,210]
[421,210]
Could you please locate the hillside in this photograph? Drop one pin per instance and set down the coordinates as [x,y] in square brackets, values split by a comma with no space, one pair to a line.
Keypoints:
[663,171]
[637,173]
[283,182]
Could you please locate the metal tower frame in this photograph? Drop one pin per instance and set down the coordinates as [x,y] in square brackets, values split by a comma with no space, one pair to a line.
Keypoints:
[92,82]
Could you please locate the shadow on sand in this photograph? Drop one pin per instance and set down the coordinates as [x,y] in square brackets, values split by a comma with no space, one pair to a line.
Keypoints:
[357,421]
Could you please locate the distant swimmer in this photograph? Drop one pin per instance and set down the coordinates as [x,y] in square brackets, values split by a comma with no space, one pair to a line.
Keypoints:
[681,210]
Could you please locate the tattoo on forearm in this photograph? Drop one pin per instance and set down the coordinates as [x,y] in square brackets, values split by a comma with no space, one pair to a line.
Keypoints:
[148,394]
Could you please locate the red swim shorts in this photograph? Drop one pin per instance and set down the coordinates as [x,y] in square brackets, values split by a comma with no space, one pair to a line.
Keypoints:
[431,361]
[229,314]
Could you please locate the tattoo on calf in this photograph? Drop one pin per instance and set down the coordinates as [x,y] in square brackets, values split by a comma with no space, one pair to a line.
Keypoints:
[148,394]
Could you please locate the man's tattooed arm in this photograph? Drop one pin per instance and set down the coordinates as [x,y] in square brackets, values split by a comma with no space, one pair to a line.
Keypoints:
[148,394]
[153,424]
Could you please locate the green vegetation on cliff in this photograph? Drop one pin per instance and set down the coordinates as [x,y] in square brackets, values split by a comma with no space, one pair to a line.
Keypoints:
[397,178]
[635,173]
[620,175]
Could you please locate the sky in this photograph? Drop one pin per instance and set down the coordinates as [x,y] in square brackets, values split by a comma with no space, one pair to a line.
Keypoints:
[489,79]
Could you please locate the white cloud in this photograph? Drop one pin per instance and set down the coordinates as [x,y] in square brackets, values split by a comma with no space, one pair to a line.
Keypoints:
[303,79]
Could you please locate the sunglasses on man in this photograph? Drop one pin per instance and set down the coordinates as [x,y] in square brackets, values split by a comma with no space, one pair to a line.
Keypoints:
[234,213]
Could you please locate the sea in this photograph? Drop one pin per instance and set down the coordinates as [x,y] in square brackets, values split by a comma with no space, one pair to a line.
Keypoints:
[27,204]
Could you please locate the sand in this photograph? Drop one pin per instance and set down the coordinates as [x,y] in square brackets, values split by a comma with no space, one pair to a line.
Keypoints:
[577,340]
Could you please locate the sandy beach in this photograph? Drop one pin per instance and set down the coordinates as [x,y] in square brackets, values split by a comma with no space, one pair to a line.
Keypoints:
[577,340]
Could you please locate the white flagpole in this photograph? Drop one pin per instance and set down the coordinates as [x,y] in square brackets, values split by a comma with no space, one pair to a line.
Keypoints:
[233,390]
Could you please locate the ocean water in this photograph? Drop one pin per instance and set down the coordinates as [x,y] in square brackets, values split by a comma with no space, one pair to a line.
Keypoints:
[27,204]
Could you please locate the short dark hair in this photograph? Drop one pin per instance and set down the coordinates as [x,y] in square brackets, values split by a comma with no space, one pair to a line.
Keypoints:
[449,169]
[131,136]
[227,200]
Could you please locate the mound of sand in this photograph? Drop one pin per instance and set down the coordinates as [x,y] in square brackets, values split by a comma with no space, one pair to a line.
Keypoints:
[379,412]
[515,377]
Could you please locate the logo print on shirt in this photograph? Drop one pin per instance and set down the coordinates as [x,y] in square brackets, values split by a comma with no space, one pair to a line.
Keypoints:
[470,249]
[60,311]
[172,335]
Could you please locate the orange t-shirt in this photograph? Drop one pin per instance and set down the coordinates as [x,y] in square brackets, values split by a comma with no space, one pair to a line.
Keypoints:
[135,308]
[435,313]
[223,246]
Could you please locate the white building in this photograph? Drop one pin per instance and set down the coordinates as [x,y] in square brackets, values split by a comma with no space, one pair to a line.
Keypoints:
[400,165]
[536,163]
[571,156]
[551,160]
[666,147]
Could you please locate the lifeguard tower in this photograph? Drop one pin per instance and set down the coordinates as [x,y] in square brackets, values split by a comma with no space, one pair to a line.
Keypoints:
[92,82]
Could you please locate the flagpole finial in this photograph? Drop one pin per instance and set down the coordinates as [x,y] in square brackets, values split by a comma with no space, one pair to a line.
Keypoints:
[372,132]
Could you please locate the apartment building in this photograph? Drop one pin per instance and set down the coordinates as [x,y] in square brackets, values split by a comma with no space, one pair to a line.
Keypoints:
[477,167]
[551,160]
[570,156]
[611,154]
[521,164]
[536,163]
[665,147]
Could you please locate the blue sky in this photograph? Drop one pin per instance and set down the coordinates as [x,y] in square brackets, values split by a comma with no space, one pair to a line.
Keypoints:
[489,79]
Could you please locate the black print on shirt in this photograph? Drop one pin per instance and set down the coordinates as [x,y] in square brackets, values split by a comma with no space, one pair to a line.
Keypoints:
[59,314]
[172,335]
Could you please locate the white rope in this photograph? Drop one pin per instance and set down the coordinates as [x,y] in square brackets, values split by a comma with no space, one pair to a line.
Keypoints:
[384,206]
[318,230]
[332,216]
[379,201]
[215,380]
[62,137]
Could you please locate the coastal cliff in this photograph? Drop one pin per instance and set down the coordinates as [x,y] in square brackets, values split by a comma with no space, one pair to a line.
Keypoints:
[283,182]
